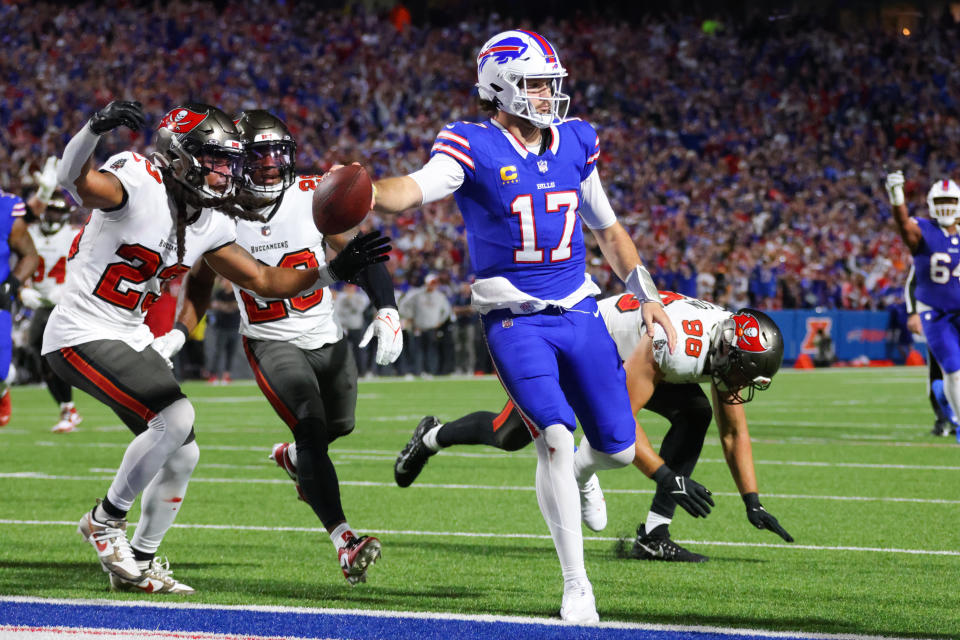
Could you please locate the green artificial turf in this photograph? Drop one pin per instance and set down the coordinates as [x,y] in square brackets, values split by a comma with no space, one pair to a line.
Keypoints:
[832,449]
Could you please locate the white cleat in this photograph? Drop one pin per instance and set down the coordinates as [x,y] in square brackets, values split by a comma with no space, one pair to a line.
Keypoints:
[157,578]
[109,539]
[593,506]
[69,419]
[579,605]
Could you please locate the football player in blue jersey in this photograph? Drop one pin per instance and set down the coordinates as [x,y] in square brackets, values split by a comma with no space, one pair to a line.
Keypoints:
[935,246]
[13,237]
[523,180]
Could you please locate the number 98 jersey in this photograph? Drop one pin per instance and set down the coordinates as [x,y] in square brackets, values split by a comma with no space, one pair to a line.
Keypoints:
[696,322]
[937,263]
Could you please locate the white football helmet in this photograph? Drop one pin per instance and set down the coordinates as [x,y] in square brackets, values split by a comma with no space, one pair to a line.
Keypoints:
[943,200]
[507,62]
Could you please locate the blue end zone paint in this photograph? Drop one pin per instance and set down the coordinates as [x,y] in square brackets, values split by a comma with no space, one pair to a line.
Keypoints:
[323,625]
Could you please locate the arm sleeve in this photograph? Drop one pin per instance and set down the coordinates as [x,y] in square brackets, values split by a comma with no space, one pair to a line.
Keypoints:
[910,291]
[595,208]
[440,177]
[376,282]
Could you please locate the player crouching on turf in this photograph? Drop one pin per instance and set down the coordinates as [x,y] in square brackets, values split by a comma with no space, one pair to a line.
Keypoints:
[296,349]
[743,351]
[151,220]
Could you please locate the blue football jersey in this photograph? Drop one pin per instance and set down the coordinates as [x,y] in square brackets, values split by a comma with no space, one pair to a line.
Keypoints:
[937,264]
[520,208]
[11,208]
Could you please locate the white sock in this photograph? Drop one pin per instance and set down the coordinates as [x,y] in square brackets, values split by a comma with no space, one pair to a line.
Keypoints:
[559,498]
[292,454]
[163,498]
[587,460]
[951,389]
[149,451]
[654,520]
[430,439]
[66,406]
[341,535]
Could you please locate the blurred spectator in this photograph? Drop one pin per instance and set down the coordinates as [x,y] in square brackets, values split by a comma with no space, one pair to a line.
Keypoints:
[349,306]
[426,310]
[465,331]
[825,354]
[224,327]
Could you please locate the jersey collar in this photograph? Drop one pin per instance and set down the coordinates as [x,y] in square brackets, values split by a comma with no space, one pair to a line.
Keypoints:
[521,148]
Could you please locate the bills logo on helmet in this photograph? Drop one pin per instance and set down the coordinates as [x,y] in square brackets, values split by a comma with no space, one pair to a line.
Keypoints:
[182,120]
[502,51]
[747,334]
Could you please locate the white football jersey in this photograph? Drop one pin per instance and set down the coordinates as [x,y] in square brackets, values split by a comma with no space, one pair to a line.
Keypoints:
[119,260]
[288,239]
[695,321]
[53,249]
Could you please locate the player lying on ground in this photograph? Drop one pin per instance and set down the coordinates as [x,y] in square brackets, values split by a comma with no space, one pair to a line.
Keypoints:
[737,353]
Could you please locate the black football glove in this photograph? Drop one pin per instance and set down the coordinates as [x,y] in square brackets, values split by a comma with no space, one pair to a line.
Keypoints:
[361,252]
[689,494]
[9,289]
[116,114]
[759,517]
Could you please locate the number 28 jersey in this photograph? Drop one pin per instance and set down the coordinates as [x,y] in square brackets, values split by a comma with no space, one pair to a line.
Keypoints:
[937,264]
[288,239]
[696,322]
[119,260]
[520,208]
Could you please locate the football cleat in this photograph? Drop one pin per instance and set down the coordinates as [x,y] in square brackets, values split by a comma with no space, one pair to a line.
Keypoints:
[943,427]
[357,556]
[109,539]
[578,605]
[657,545]
[414,456]
[5,408]
[593,506]
[281,455]
[69,419]
[156,578]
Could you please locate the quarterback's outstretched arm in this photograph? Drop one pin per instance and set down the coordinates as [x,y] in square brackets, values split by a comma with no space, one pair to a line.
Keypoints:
[393,195]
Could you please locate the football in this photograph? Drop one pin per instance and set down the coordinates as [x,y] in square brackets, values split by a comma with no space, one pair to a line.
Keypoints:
[342,199]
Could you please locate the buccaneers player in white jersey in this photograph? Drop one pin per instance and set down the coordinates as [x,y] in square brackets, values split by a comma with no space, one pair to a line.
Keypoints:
[737,352]
[297,351]
[151,220]
[52,235]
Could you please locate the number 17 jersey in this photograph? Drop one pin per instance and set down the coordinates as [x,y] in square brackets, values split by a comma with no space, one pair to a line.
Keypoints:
[520,208]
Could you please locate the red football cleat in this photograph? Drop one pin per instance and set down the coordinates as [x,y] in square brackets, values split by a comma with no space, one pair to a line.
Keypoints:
[5,408]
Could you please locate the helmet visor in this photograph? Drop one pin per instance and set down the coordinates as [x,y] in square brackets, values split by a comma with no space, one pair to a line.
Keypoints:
[222,169]
[269,164]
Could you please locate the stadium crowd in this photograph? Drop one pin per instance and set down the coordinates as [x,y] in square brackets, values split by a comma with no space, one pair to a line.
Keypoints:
[746,161]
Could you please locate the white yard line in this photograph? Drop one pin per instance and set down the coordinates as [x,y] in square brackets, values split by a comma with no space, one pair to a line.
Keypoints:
[108,474]
[522,536]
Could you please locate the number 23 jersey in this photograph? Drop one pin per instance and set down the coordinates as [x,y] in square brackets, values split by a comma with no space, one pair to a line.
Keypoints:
[288,239]
[696,322]
[121,257]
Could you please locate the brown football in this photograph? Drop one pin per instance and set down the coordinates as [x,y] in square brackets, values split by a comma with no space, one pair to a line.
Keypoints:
[342,199]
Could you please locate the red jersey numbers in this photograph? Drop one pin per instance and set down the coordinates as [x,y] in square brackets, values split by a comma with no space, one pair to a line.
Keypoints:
[141,264]
[308,183]
[58,273]
[152,170]
[627,302]
[694,343]
[259,312]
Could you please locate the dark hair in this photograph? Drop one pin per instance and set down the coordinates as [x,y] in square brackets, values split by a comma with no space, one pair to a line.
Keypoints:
[488,106]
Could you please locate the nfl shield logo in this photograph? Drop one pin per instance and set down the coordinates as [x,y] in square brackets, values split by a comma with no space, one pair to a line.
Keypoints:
[265,230]
[542,165]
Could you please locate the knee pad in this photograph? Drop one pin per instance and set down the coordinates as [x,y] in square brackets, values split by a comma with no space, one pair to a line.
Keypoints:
[513,434]
[340,428]
[556,442]
[176,420]
[184,460]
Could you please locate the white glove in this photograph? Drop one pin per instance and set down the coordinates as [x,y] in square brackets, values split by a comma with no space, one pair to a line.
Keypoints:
[31,298]
[46,180]
[895,188]
[389,334]
[169,344]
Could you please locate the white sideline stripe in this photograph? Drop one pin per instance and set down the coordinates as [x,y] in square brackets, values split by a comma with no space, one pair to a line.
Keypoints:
[36,475]
[420,615]
[515,536]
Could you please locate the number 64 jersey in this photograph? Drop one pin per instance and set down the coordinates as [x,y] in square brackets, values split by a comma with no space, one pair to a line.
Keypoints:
[696,322]
[121,257]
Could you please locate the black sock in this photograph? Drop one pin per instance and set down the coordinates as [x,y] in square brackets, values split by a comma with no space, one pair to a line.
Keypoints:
[474,428]
[113,511]
[316,474]
[142,556]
